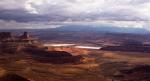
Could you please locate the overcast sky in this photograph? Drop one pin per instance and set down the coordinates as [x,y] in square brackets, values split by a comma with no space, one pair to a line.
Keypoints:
[55,13]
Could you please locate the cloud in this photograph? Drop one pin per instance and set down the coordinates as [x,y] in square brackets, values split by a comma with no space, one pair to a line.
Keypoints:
[12,4]
[25,11]
[26,25]
[132,9]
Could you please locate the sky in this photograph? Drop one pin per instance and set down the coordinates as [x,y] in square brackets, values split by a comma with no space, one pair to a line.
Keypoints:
[56,13]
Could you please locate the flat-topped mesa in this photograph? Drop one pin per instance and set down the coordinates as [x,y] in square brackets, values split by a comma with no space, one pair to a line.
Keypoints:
[53,57]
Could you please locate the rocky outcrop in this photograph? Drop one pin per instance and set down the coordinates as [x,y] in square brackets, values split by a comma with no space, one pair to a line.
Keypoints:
[54,57]
[12,44]
[72,50]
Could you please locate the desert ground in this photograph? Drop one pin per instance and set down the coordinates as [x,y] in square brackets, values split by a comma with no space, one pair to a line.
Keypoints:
[98,65]
[96,57]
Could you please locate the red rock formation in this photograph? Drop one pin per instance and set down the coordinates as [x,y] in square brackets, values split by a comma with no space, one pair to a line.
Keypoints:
[72,50]
[25,36]
[54,57]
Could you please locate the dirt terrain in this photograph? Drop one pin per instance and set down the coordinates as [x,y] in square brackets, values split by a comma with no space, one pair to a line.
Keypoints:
[28,60]
[104,66]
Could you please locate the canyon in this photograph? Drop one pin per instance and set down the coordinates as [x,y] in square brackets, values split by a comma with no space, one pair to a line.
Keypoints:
[48,61]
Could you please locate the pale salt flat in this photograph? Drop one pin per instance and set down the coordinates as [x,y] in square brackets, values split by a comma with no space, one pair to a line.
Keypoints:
[59,45]
[88,47]
[73,45]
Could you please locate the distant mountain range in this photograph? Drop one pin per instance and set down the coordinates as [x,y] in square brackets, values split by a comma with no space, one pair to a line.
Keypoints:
[86,34]
[111,29]
[86,28]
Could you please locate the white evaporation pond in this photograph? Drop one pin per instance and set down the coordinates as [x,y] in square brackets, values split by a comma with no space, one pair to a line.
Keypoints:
[58,45]
[88,47]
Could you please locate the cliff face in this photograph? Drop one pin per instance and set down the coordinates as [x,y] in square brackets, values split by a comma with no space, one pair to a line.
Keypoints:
[72,50]
[54,57]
